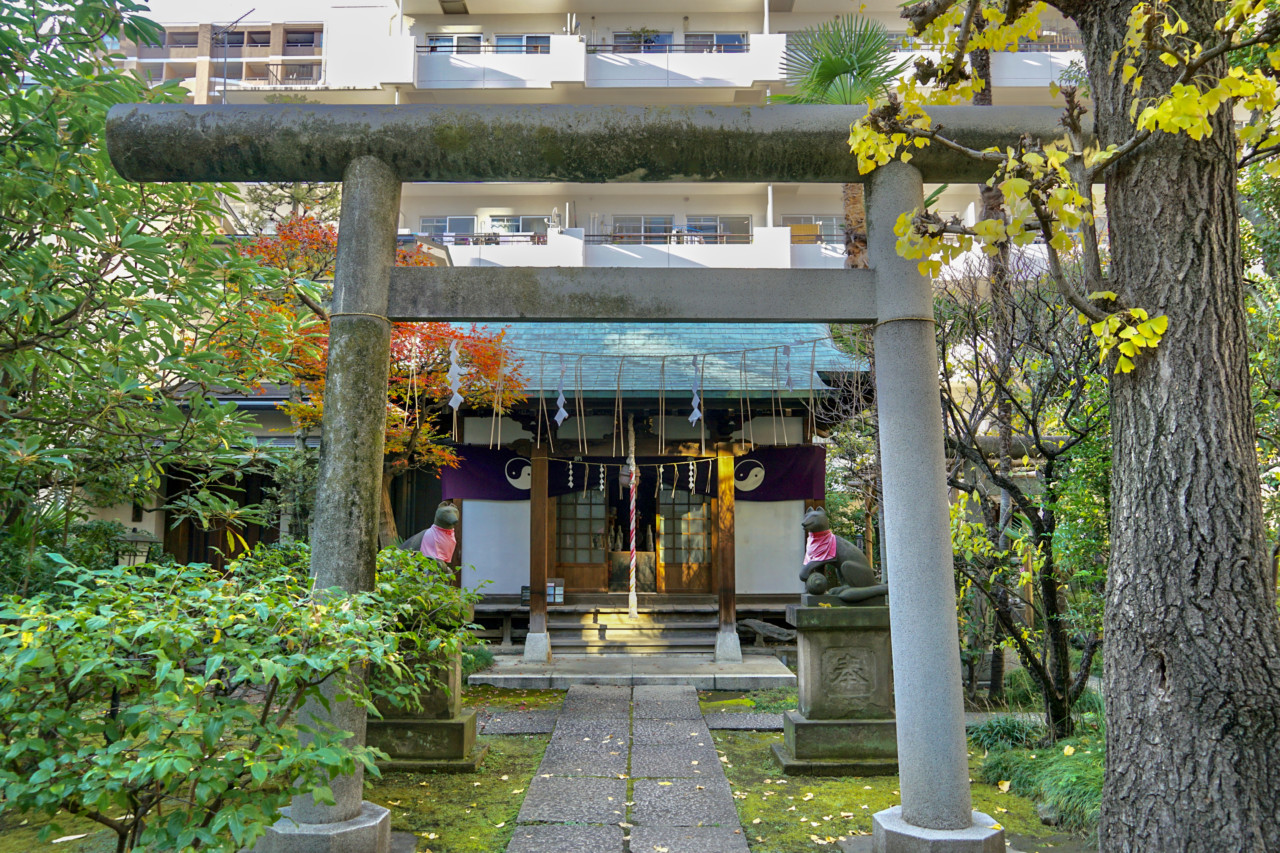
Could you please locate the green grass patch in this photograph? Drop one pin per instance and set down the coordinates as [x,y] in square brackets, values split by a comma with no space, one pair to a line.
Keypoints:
[20,833]
[464,812]
[775,700]
[785,814]
[486,696]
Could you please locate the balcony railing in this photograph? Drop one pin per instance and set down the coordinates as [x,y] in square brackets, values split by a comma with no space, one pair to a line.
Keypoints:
[669,238]
[484,48]
[668,48]
[492,239]
[284,74]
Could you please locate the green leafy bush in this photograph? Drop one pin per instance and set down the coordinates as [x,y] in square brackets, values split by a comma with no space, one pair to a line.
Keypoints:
[1067,776]
[1005,732]
[476,659]
[1021,691]
[160,700]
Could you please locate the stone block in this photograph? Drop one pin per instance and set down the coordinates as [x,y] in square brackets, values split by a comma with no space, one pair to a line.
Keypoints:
[597,700]
[688,839]
[367,832]
[891,834]
[566,839]
[520,723]
[744,722]
[672,762]
[424,739]
[845,662]
[574,800]
[585,759]
[839,739]
[792,766]
[725,681]
[685,802]
[441,699]
[691,733]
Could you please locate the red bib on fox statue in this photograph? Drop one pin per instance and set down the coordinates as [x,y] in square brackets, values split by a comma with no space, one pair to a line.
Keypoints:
[437,541]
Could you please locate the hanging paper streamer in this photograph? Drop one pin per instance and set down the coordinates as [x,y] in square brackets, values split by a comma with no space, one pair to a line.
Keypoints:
[635,482]
[561,412]
[786,350]
[454,376]
[602,479]
[693,477]
[696,402]
[571,476]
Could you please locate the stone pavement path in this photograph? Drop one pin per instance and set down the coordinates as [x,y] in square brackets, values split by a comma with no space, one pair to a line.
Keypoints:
[629,770]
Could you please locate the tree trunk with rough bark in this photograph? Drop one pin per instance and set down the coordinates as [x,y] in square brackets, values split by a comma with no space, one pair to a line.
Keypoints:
[855,227]
[1192,654]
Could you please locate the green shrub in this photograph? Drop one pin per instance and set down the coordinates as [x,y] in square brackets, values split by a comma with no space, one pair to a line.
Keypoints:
[1067,776]
[775,700]
[1021,691]
[475,659]
[1005,732]
[177,686]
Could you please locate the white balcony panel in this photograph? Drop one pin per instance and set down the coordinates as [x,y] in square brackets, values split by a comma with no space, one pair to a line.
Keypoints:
[563,63]
[759,63]
[562,249]
[1028,68]
[768,249]
[817,256]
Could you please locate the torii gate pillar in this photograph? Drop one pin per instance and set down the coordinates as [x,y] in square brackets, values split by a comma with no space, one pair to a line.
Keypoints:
[936,811]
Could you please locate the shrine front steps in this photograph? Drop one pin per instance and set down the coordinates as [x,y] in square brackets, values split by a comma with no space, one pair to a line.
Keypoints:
[755,672]
[611,630]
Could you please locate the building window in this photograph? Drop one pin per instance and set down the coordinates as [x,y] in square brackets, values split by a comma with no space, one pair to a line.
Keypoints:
[460,230]
[719,229]
[453,44]
[581,527]
[259,39]
[183,39]
[817,228]
[522,44]
[641,229]
[638,41]
[715,43]
[228,39]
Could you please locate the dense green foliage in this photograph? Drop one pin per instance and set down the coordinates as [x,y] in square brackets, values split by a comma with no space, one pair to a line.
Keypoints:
[161,700]
[1067,777]
[120,316]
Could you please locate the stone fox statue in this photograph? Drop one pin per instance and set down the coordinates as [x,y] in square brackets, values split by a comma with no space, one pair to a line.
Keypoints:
[835,566]
[437,540]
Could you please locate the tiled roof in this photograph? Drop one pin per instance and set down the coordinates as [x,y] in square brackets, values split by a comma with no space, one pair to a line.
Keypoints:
[591,355]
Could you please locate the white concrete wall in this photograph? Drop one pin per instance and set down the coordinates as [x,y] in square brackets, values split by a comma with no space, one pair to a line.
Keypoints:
[495,545]
[759,63]
[563,63]
[364,49]
[768,249]
[768,546]
[562,249]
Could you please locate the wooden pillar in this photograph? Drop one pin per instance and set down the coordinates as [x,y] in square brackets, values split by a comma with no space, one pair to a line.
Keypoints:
[537,646]
[727,647]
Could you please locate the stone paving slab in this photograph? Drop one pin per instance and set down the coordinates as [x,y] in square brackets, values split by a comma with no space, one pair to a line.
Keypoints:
[687,839]
[670,732]
[597,701]
[562,799]
[588,761]
[669,709]
[577,728]
[566,839]
[670,762]
[646,692]
[519,722]
[684,802]
[744,722]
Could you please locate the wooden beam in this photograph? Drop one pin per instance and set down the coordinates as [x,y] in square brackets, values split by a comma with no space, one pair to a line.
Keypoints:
[726,575]
[538,541]
[635,294]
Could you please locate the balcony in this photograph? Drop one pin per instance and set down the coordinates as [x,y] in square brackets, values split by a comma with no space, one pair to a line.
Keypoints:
[280,74]
[677,65]
[765,248]
[488,66]
[1034,65]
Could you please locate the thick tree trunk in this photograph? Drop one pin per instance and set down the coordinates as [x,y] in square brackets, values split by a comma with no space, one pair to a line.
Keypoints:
[1192,655]
[855,227]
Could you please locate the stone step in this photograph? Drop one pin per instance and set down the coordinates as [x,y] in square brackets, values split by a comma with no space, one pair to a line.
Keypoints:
[692,645]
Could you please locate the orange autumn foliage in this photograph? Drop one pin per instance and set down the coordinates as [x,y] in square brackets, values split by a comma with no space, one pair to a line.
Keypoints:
[419,421]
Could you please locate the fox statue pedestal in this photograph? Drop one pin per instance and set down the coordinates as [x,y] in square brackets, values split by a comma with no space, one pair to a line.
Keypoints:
[845,724]
[442,736]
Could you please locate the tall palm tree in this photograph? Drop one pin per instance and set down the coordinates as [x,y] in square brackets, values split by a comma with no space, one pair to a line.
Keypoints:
[848,60]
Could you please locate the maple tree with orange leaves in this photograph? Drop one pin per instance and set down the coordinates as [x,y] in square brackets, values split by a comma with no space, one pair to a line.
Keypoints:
[419,421]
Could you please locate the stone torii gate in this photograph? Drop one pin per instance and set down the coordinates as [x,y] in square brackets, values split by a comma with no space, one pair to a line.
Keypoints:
[372,150]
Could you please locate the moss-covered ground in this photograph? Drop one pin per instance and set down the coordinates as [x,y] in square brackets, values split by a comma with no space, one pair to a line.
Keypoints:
[772,701]
[487,697]
[464,812]
[789,814]
[21,834]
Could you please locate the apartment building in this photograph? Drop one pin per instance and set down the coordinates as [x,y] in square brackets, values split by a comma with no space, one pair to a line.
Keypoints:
[560,51]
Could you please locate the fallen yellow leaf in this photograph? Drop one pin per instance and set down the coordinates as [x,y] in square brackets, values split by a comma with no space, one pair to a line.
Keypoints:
[1068,750]
[1004,786]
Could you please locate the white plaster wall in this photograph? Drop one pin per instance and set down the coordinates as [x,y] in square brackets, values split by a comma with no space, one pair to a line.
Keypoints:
[495,545]
[152,522]
[562,249]
[364,48]
[482,431]
[767,431]
[768,546]
[563,63]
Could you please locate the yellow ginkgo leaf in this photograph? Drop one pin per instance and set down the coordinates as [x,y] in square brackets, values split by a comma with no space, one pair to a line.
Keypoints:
[1003,786]
[1068,750]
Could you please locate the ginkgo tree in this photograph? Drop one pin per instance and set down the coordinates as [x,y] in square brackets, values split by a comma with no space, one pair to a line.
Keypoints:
[1192,652]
